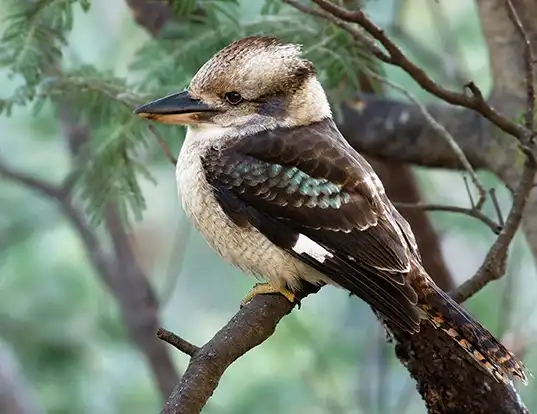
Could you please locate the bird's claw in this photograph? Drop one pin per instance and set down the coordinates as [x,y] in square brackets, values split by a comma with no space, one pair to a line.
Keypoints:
[267,289]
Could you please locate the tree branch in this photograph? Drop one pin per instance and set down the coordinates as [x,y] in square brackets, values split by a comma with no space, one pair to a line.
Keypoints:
[471,212]
[447,381]
[397,131]
[397,58]
[176,341]
[494,264]
[252,325]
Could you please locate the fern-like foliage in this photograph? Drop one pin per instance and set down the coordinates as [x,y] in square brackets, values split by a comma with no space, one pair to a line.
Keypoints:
[109,165]
[108,162]
[32,42]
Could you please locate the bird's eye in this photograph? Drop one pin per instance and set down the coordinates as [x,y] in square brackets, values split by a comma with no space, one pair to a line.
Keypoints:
[234,98]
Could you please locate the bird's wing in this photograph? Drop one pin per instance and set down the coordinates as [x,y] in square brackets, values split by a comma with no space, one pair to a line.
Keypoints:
[311,194]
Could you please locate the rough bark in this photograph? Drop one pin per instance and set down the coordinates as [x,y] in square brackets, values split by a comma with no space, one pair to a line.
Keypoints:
[447,382]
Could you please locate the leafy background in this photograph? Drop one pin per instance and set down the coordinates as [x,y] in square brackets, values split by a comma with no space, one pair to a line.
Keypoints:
[57,320]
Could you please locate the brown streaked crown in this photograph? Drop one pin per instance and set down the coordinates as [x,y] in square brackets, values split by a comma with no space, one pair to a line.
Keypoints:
[254,66]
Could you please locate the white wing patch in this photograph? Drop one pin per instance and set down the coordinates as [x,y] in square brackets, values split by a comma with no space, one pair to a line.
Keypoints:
[305,245]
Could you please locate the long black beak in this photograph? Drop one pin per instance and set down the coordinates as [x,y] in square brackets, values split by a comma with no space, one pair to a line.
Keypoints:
[178,108]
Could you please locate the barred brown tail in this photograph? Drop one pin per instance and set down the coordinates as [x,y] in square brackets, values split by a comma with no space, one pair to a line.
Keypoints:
[477,341]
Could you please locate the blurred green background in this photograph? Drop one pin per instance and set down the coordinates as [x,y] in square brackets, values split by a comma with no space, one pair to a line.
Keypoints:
[60,329]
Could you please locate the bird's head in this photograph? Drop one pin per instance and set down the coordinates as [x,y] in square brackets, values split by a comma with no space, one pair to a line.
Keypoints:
[257,81]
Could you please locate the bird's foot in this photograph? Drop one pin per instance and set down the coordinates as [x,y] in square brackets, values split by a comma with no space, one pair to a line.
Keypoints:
[266,289]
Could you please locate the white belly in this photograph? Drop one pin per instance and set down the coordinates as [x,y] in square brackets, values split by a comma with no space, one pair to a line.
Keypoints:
[245,248]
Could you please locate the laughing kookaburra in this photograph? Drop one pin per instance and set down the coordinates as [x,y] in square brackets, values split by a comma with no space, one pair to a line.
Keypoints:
[272,185]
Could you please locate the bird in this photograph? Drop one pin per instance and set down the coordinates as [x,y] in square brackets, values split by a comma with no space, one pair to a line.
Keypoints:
[272,185]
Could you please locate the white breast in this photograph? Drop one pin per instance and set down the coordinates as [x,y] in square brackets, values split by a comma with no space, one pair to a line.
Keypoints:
[245,248]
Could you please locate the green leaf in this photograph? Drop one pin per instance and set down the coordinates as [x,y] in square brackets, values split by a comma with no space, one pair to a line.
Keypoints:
[32,42]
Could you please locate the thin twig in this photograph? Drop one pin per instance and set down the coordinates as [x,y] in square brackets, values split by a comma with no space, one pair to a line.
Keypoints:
[181,344]
[163,144]
[468,191]
[472,212]
[493,266]
[496,204]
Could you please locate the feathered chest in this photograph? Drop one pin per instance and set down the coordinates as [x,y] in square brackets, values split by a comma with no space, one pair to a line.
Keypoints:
[195,192]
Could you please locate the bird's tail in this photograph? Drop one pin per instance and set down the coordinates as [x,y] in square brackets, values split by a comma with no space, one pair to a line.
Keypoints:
[473,337]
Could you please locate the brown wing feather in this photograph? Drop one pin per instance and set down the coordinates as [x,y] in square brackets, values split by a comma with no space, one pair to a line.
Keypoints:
[309,181]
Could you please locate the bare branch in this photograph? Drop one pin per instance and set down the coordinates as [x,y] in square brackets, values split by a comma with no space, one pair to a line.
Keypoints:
[181,344]
[475,101]
[252,325]
[493,266]
[497,208]
[471,212]
[138,303]
[133,294]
